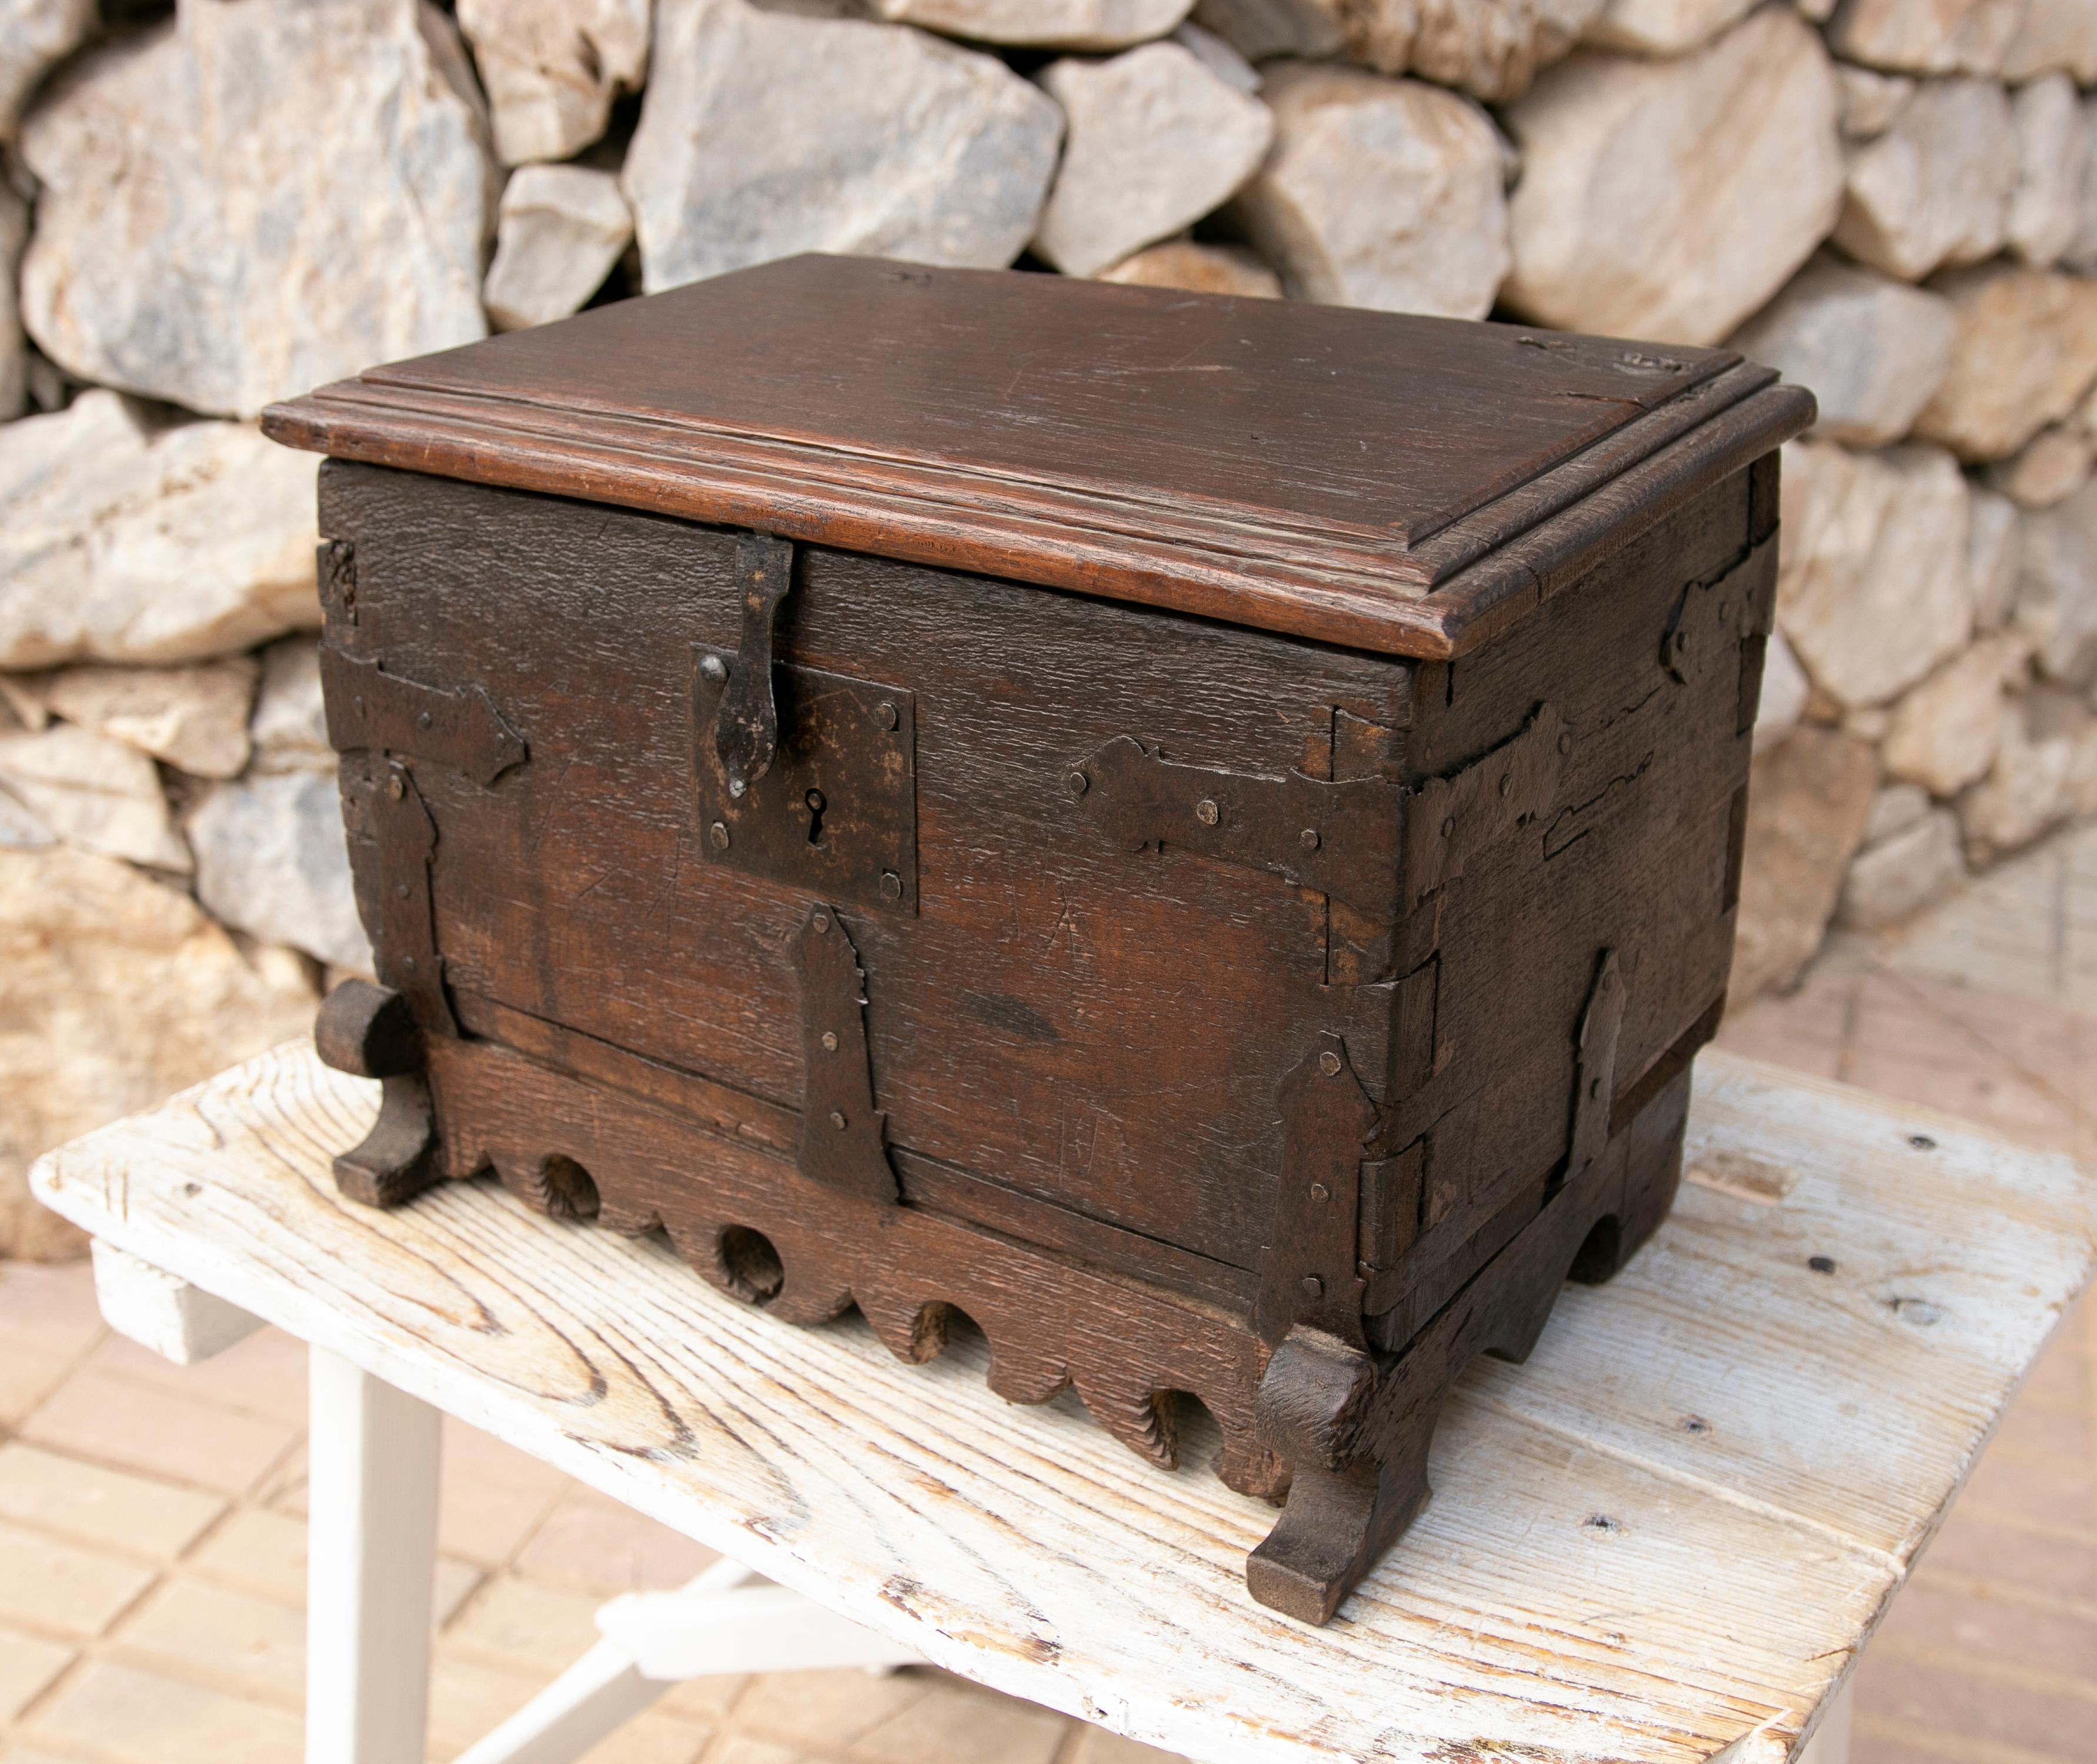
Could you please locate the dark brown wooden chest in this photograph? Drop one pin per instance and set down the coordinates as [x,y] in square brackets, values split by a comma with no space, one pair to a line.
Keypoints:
[1200,834]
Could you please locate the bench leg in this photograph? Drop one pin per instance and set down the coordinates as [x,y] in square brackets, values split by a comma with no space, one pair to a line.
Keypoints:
[371,1531]
[1830,1744]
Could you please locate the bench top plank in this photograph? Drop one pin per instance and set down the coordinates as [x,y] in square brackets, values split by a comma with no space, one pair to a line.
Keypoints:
[1662,1539]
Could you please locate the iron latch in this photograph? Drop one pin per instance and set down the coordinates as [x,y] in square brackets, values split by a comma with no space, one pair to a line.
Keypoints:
[746,716]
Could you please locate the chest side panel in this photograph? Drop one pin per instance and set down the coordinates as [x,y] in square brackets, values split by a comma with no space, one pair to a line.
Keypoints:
[1653,659]
[1100,1028]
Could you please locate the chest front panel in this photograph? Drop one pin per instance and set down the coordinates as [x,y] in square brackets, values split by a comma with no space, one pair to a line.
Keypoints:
[1063,1019]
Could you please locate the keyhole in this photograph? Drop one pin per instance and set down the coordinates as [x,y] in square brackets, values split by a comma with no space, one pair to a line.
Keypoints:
[814,799]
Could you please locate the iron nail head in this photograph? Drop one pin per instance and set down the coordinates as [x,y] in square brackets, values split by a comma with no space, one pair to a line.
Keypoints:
[887,715]
[1449,827]
[1313,1287]
[1564,744]
[829,1041]
[1308,839]
[891,885]
[838,1119]
[424,720]
[1077,783]
[714,668]
[396,787]
[1320,1193]
[718,833]
[1329,1063]
[822,921]
[1206,812]
[1507,784]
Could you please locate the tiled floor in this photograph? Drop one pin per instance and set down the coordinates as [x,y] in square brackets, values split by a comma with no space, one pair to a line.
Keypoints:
[151,1546]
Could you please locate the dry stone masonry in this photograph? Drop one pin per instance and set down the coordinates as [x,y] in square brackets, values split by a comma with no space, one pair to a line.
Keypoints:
[207,204]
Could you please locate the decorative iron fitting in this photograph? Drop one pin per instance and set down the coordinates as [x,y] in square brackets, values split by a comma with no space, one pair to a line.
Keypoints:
[1450,821]
[1596,1071]
[1340,838]
[368,708]
[1308,1272]
[842,1132]
[746,716]
[407,948]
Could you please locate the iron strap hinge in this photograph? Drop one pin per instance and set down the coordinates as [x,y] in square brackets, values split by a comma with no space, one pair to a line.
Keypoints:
[368,708]
[1379,846]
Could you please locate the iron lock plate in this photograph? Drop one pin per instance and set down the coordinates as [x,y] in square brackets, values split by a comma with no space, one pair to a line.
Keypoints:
[835,812]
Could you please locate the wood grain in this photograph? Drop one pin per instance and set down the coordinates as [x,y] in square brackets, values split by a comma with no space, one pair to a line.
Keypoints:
[1596,1579]
[1312,470]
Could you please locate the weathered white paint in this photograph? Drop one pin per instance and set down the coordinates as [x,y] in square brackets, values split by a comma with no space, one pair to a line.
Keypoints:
[1662,1540]
[178,1321]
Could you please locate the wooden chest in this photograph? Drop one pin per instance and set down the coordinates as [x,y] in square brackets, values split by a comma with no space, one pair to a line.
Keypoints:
[1200,835]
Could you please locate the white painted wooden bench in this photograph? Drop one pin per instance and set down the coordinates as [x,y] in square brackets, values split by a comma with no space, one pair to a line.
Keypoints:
[1664,1539]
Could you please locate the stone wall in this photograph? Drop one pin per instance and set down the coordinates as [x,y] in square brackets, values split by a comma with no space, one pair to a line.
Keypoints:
[205,207]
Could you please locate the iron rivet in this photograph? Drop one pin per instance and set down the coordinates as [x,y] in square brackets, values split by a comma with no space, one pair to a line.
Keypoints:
[1206,812]
[1564,744]
[395,787]
[1448,826]
[891,885]
[718,833]
[1329,1063]
[408,963]
[814,799]
[1506,784]
[1077,783]
[423,721]
[400,890]
[1313,1287]
[1320,1193]
[1308,839]
[713,668]
[887,715]
[829,1041]
[838,1119]
[822,921]
[359,703]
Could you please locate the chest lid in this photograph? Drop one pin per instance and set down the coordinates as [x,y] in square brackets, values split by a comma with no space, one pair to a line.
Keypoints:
[1401,484]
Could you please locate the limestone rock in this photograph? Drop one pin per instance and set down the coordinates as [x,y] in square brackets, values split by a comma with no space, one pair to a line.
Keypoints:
[1809,799]
[2053,465]
[14,359]
[1873,592]
[1871,349]
[1992,556]
[1926,36]
[1491,49]
[115,991]
[1635,218]
[2026,353]
[2030,789]
[2056,600]
[1944,732]
[1379,193]
[2053,155]
[553,67]
[272,860]
[35,36]
[1042,24]
[289,728]
[1896,808]
[1897,876]
[2055,36]
[22,829]
[1935,188]
[1153,141]
[308,184]
[1663,27]
[1269,30]
[560,230]
[2081,253]
[1871,102]
[1216,54]
[764,134]
[119,542]
[1783,699]
[94,793]
[1202,268]
[194,718]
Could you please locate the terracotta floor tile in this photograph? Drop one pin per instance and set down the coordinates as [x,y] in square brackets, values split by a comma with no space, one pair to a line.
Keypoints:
[116,1711]
[825,1711]
[2006,1486]
[747,1748]
[1095,1745]
[588,1543]
[50,1306]
[652,1738]
[264,1553]
[1927,1618]
[27,1664]
[139,1427]
[958,1722]
[520,1626]
[90,1503]
[2054,1432]
[264,1375]
[2010,1559]
[1874,1741]
[468,1698]
[494,1496]
[49,1585]
[207,1634]
[28,1373]
[1940,1694]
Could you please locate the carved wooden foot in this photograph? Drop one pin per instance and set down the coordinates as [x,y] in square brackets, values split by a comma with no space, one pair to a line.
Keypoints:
[368,1032]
